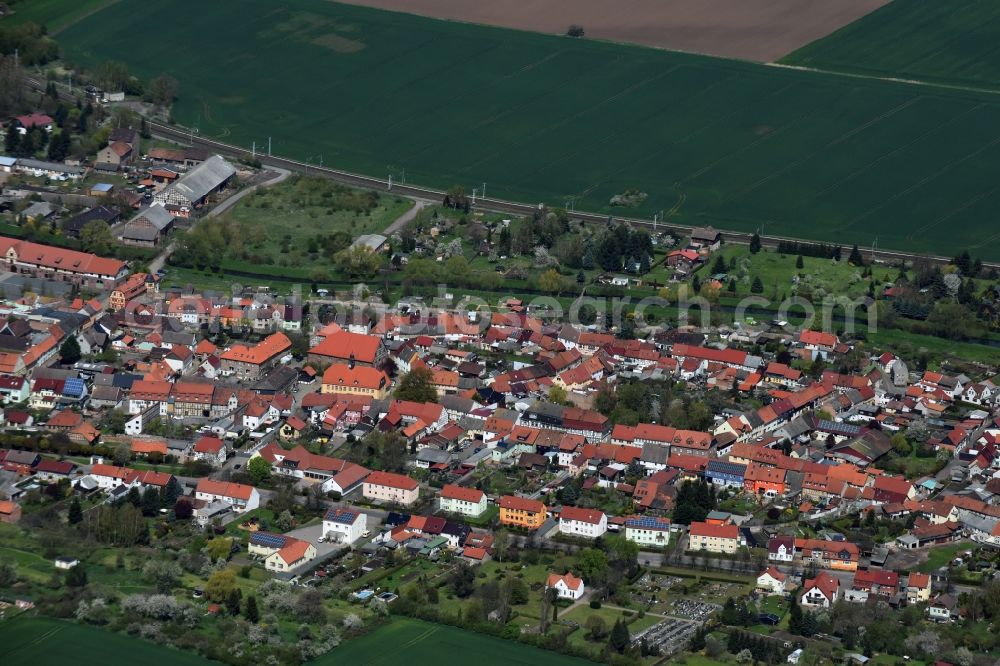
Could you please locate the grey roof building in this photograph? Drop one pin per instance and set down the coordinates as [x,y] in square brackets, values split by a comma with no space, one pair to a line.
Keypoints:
[193,187]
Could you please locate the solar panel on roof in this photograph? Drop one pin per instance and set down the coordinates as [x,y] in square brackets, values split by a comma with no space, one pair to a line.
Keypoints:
[268,540]
[341,516]
[648,522]
[73,387]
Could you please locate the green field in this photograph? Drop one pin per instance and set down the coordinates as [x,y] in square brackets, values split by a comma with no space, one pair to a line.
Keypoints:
[34,641]
[946,41]
[57,15]
[419,643]
[543,118]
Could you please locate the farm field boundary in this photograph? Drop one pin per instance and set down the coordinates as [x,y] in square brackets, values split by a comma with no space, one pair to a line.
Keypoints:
[951,42]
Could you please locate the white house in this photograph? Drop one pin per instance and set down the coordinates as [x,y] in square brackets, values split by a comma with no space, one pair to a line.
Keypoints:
[240,496]
[293,555]
[943,608]
[464,501]
[820,592]
[344,525]
[648,531]
[567,586]
[210,449]
[66,562]
[781,549]
[771,582]
[588,523]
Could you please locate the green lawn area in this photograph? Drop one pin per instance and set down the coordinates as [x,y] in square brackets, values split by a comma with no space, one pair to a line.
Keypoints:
[302,207]
[541,118]
[29,565]
[817,276]
[939,556]
[938,349]
[36,641]
[418,643]
[948,41]
[581,614]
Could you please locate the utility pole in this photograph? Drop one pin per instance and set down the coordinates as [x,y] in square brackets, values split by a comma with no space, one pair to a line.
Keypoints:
[268,146]
[321,160]
[484,190]
[390,181]
[474,190]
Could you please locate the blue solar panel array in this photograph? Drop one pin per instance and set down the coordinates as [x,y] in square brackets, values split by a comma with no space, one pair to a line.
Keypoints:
[74,387]
[341,516]
[268,540]
[648,522]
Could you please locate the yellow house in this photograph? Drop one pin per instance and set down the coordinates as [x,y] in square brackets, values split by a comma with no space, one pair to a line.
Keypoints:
[522,512]
[357,380]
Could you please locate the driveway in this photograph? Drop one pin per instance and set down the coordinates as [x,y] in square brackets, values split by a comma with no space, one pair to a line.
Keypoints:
[407,217]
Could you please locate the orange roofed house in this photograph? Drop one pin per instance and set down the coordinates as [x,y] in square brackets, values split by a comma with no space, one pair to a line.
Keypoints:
[389,487]
[355,380]
[251,363]
[242,497]
[522,512]
[56,263]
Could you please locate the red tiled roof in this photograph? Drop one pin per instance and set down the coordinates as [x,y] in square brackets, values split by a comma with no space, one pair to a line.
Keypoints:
[591,516]
[391,480]
[516,503]
[451,491]
[718,531]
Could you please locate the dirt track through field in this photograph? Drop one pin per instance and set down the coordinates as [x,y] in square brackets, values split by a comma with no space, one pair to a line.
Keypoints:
[761,30]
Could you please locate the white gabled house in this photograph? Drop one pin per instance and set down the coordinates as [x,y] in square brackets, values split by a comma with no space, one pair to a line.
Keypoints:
[240,496]
[588,523]
[344,525]
[772,582]
[567,586]
[463,501]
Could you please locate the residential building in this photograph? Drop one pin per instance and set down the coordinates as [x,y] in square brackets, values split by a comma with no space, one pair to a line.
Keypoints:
[210,449]
[463,501]
[772,582]
[295,554]
[252,363]
[648,531]
[587,523]
[344,525]
[567,586]
[522,512]
[713,538]
[240,496]
[390,487]
[918,588]
[781,548]
[820,592]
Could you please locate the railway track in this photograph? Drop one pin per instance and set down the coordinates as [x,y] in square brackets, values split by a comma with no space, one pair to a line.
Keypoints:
[179,135]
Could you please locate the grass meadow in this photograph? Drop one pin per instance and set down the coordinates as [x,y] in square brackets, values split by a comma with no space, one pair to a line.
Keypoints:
[420,643]
[544,118]
[953,42]
[37,641]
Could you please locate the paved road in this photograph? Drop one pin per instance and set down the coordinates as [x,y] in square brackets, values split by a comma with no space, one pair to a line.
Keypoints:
[281,174]
[407,217]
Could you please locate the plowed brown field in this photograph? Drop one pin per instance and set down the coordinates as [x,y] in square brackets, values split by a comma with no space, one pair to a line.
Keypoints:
[761,30]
